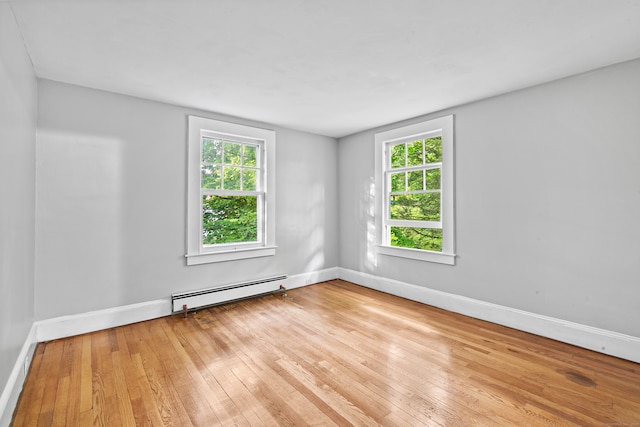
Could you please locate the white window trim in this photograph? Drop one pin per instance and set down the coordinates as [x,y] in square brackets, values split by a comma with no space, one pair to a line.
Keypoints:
[444,125]
[198,254]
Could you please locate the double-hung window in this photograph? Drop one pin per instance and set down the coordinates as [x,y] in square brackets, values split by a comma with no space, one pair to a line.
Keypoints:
[415,200]
[230,192]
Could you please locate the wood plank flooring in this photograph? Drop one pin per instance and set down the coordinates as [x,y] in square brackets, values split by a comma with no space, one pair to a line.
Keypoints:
[328,354]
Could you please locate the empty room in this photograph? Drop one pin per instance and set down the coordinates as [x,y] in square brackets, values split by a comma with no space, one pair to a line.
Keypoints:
[295,212]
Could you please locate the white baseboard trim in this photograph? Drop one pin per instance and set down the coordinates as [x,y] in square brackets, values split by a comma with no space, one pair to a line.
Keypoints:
[13,387]
[66,326]
[596,339]
[304,279]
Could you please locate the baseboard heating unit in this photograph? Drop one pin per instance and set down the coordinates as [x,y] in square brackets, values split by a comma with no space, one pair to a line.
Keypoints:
[189,301]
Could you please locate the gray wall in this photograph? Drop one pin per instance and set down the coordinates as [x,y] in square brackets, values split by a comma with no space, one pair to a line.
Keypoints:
[18,98]
[548,202]
[112,194]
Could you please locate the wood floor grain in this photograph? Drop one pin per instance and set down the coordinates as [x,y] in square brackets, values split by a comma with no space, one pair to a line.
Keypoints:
[328,354]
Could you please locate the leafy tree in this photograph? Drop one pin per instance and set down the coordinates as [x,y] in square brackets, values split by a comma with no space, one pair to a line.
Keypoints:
[236,163]
[412,199]
[229,219]
[229,166]
[416,207]
[429,239]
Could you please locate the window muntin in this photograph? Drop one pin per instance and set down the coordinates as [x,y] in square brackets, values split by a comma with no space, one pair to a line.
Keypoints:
[231,192]
[231,189]
[412,181]
[414,191]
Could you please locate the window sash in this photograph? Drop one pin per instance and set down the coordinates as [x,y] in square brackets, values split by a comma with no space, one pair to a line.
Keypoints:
[440,127]
[426,166]
[413,223]
[264,190]
[243,142]
[260,216]
[388,222]
[209,192]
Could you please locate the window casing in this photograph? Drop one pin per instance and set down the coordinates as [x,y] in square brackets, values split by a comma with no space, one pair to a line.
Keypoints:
[231,192]
[414,197]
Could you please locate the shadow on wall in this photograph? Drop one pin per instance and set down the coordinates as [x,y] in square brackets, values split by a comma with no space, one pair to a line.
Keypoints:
[79,221]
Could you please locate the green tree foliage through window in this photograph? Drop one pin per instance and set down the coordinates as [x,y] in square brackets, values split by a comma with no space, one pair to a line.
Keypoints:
[429,239]
[230,191]
[229,219]
[415,192]
[415,207]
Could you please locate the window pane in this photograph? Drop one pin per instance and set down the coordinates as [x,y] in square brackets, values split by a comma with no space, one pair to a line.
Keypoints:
[397,156]
[433,179]
[211,150]
[429,239]
[232,152]
[433,149]
[229,219]
[415,181]
[414,153]
[232,178]
[210,177]
[397,181]
[249,179]
[418,207]
[249,156]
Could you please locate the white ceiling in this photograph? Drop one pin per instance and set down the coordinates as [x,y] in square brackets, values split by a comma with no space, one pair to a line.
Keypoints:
[332,67]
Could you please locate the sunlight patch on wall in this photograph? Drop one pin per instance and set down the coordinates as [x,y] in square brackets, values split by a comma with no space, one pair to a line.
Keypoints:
[369,198]
[315,241]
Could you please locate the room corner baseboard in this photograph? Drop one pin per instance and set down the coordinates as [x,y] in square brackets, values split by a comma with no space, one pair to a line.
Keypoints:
[304,279]
[13,387]
[596,339]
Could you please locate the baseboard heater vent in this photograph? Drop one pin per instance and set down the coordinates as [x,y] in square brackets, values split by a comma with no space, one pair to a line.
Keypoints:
[188,301]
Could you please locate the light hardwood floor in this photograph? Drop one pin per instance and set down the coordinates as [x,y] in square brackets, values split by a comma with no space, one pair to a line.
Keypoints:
[328,354]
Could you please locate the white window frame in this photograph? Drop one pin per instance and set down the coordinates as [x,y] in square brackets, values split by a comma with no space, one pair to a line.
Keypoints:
[441,126]
[197,253]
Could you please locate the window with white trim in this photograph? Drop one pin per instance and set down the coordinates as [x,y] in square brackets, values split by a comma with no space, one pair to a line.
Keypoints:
[231,197]
[415,199]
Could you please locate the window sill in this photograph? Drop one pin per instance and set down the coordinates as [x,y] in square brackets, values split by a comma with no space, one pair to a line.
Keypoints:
[417,254]
[231,255]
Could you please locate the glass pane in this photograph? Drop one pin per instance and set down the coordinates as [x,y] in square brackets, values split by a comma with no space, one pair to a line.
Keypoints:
[418,207]
[397,182]
[249,179]
[211,150]
[415,181]
[232,152]
[433,150]
[229,219]
[414,153]
[232,178]
[397,156]
[433,179]
[428,239]
[210,177]
[250,155]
